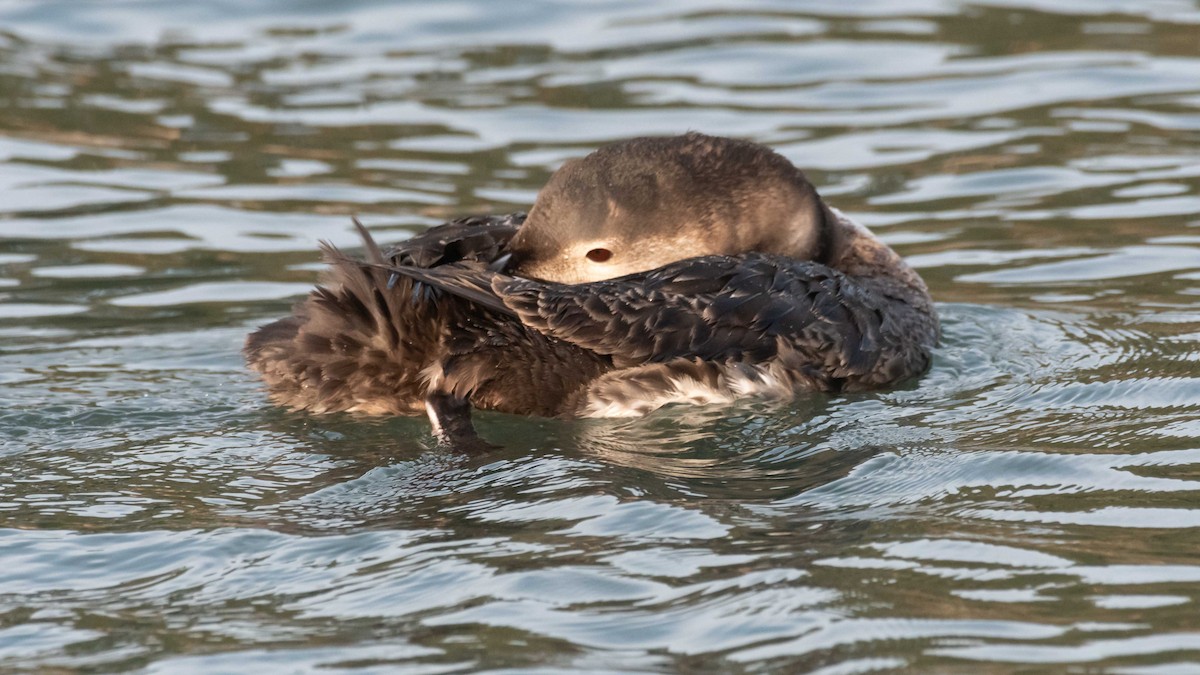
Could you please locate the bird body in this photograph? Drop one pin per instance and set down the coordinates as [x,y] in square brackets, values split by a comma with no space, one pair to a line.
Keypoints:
[525,316]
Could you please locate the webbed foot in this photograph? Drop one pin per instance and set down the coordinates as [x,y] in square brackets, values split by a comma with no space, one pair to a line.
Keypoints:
[451,420]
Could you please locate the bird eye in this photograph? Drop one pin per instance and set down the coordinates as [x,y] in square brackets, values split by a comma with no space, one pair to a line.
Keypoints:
[599,255]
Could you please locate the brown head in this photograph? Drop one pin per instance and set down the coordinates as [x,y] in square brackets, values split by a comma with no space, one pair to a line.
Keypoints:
[641,204]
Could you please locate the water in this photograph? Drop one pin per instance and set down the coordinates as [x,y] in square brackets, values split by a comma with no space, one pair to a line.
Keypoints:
[167,169]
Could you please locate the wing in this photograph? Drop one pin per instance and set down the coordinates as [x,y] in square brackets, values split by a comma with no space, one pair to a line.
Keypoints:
[715,308]
[752,307]
[478,238]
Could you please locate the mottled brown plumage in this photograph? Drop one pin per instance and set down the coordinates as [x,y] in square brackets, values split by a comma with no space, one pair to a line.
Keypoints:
[725,277]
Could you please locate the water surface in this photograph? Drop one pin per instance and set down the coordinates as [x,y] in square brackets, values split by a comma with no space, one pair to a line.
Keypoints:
[167,169]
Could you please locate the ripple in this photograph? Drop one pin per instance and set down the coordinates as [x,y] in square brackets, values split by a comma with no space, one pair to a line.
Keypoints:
[1142,208]
[892,479]
[198,226]
[32,640]
[487,129]
[1028,501]
[46,199]
[175,72]
[648,521]
[1087,652]
[17,148]
[389,655]
[300,167]
[1129,262]
[1151,190]
[1111,516]
[23,310]
[310,192]
[1026,181]
[1138,601]
[871,149]
[845,633]
[1135,394]
[1011,88]
[214,292]
[780,64]
[948,550]
[87,271]
[414,166]
[359,68]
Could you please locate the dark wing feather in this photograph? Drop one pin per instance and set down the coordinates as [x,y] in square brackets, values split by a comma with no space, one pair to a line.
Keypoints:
[470,281]
[477,238]
[712,308]
[719,308]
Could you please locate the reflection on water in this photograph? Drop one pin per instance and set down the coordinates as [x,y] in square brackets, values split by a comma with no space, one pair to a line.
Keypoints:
[166,171]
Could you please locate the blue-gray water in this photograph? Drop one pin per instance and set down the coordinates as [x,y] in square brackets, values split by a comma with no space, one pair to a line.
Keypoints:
[1031,505]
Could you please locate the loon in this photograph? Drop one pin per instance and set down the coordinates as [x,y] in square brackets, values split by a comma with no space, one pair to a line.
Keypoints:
[686,269]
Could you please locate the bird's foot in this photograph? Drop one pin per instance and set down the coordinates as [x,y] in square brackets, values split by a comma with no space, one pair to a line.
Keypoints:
[451,420]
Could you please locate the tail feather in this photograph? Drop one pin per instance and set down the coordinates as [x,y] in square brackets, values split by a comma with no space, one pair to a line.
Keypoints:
[374,254]
[461,280]
[352,344]
[364,339]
